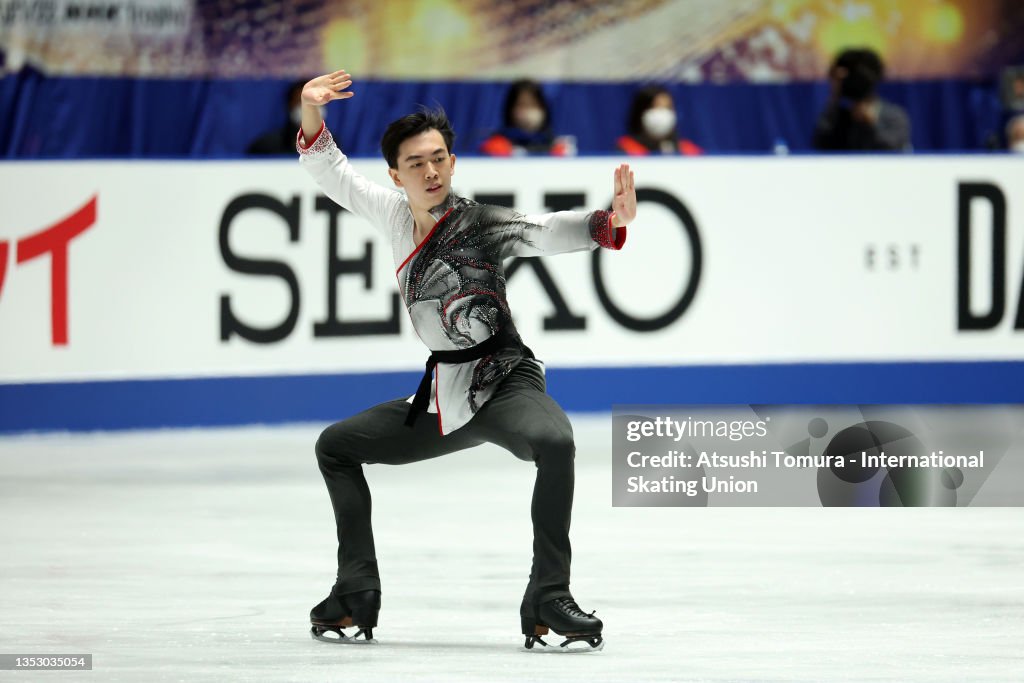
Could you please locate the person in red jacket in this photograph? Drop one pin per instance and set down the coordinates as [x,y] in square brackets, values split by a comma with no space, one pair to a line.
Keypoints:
[526,128]
[652,126]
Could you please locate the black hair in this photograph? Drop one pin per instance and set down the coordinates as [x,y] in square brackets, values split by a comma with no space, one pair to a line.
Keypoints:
[845,59]
[411,125]
[865,70]
[515,90]
[853,57]
[873,62]
[642,101]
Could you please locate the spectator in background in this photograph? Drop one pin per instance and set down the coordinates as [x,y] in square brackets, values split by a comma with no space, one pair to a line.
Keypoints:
[1015,134]
[282,140]
[652,126]
[856,118]
[527,125]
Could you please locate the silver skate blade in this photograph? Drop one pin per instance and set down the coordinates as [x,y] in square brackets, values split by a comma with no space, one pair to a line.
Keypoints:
[569,647]
[337,637]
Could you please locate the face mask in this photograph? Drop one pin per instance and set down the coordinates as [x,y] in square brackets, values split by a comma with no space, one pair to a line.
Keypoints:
[659,122]
[296,115]
[530,119]
[1017,147]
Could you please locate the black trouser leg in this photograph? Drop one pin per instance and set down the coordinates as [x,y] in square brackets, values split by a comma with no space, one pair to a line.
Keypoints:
[377,435]
[520,417]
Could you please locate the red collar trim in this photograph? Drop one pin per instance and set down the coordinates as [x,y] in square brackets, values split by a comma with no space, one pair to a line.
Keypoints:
[425,239]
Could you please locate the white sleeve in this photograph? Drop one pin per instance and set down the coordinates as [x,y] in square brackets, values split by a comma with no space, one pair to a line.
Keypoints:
[332,171]
[567,231]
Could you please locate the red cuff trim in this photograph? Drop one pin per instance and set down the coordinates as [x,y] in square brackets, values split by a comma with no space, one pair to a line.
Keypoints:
[604,233]
[312,146]
[618,233]
[618,238]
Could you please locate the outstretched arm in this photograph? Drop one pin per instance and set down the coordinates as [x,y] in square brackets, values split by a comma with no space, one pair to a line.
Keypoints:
[317,93]
[329,167]
[567,231]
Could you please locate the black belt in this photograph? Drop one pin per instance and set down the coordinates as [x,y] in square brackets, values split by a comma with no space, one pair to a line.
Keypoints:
[501,340]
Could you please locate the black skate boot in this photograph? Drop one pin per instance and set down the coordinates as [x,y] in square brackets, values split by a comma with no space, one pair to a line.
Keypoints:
[338,612]
[564,617]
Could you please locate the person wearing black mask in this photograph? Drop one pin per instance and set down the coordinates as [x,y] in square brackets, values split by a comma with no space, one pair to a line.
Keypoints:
[856,118]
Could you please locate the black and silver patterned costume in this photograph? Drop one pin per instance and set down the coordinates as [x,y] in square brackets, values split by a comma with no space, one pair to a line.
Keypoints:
[453,282]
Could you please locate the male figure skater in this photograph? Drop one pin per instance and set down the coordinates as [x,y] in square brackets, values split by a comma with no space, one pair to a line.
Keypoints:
[481,380]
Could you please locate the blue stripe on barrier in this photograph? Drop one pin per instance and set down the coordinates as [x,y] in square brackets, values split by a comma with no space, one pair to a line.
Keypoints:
[140,404]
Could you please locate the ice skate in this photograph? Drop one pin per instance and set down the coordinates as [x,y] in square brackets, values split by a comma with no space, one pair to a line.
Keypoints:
[338,612]
[582,631]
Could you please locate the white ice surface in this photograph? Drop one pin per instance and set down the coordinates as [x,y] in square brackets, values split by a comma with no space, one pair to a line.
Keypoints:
[196,556]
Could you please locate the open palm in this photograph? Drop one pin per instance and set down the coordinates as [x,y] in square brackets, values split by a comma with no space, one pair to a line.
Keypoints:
[326,88]
[624,203]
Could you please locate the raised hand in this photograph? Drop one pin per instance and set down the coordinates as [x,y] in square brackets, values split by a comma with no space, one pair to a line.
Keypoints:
[624,203]
[326,88]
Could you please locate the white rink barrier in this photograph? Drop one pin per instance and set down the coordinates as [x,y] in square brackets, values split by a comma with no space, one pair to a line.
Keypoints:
[170,270]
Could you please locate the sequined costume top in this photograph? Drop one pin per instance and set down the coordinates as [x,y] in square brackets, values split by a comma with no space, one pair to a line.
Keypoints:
[453,282]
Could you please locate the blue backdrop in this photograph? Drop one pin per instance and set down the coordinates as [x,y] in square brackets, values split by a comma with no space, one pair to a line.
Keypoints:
[45,117]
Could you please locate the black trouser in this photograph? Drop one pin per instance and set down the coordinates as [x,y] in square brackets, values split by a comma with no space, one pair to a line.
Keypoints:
[520,417]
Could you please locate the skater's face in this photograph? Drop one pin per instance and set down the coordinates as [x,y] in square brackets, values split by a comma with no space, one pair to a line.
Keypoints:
[425,169]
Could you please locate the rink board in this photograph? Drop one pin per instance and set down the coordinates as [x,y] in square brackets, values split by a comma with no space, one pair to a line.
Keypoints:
[140,404]
[182,293]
